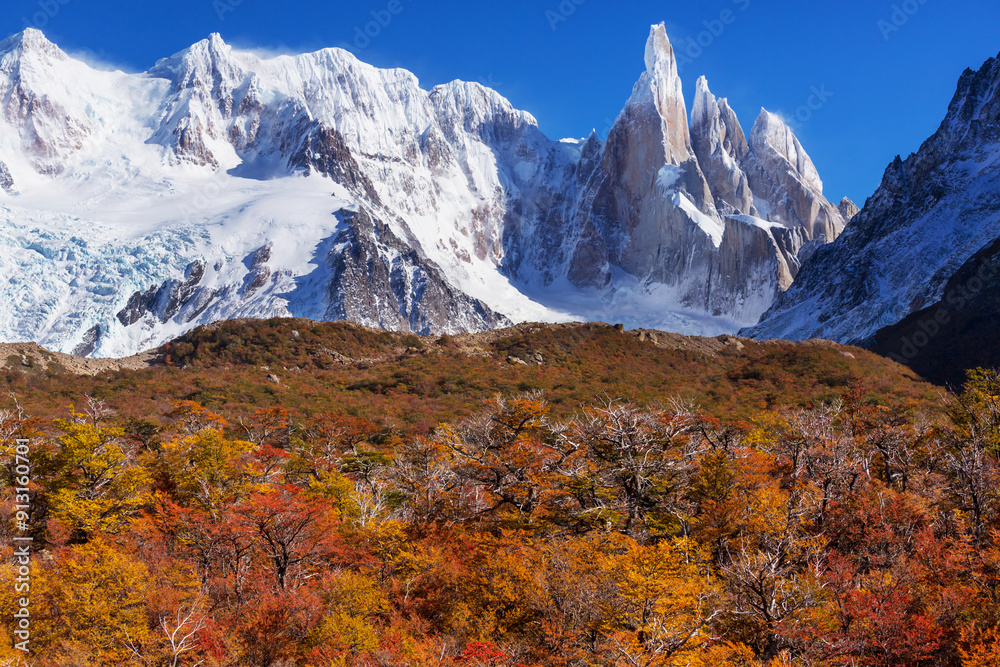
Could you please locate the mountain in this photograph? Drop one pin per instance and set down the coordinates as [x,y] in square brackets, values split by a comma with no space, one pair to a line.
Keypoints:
[221,185]
[920,248]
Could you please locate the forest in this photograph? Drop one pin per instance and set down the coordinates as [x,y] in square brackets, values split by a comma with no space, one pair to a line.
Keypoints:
[856,526]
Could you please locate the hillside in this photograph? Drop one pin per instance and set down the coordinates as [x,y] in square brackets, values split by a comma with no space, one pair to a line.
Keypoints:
[413,382]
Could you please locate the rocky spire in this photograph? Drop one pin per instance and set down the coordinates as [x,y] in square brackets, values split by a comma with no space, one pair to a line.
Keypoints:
[781,173]
[772,139]
[653,211]
[719,143]
[652,133]
[848,209]
[659,87]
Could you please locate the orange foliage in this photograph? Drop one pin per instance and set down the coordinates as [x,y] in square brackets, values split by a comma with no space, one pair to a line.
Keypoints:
[850,533]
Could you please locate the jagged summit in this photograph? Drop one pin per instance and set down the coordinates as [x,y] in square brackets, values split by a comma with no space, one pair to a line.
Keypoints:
[658,48]
[658,94]
[704,107]
[771,132]
[198,61]
[478,105]
[31,44]
[720,145]
[848,209]
[29,38]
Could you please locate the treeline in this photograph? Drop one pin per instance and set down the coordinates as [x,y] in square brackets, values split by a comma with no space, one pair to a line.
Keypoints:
[854,533]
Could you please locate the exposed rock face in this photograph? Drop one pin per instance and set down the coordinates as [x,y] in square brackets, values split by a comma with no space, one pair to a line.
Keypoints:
[166,300]
[6,180]
[368,275]
[323,149]
[651,193]
[89,342]
[138,305]
[932,212]
[721,147]
[379,281]
[678,207]
[782,174]
[49,130]
[848,209]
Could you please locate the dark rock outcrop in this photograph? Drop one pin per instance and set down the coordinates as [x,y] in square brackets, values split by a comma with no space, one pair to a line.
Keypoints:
[378,280]
[89,342]
[6,180]
[166,300]
[959,332]
[323,150]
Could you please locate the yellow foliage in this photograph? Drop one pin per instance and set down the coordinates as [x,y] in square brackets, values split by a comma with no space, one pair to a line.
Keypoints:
[663,601]
[207,467]
[766,427]
[351,602]
[506,591]
[98,482]
[93,597]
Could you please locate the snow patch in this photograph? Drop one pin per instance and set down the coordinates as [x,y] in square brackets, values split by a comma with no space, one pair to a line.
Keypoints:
[713,227]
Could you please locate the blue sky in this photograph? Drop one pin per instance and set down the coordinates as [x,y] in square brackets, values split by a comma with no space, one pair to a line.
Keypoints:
[572,63]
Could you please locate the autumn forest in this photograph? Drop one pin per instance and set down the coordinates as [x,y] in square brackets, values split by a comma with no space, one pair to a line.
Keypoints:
[292,494]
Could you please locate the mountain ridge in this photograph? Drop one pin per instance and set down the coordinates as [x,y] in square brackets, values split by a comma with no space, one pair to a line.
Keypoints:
[198,162]
[933,212]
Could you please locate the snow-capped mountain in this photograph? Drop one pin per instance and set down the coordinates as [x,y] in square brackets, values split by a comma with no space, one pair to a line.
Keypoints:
[220,184]
[931,215]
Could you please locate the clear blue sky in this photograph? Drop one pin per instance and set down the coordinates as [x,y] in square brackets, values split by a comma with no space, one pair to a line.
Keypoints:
[890,89]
